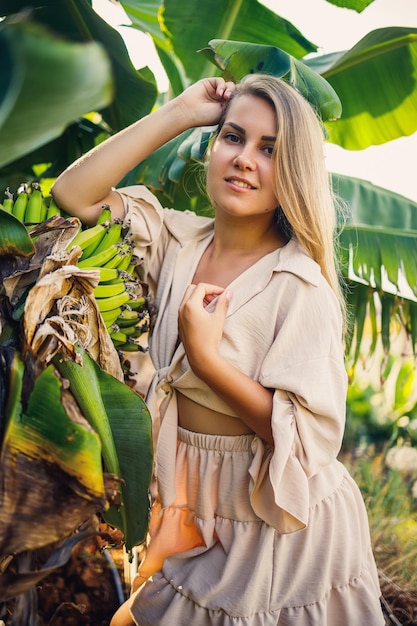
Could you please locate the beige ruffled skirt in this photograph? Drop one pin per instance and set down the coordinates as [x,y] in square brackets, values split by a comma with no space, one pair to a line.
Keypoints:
[212,562]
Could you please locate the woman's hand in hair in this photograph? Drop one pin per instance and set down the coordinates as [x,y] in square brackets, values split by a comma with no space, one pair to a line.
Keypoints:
[204,101]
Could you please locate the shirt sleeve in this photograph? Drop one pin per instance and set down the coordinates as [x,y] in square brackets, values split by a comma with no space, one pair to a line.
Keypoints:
[153,228]
[144,218]
[305,368]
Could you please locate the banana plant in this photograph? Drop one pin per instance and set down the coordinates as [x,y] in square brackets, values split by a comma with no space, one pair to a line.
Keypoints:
[75,439]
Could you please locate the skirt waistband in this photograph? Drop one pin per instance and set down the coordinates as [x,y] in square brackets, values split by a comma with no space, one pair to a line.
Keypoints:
[226,443]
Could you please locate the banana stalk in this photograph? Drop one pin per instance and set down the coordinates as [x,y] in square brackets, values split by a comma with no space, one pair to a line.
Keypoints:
[8,201]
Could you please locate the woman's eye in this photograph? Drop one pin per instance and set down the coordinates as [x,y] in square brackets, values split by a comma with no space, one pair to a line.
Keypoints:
[269,150]
[232,137]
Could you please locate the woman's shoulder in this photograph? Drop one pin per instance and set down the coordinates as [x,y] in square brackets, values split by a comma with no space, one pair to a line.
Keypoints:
[303,290]
[183,225]
[187,225]
[292,258]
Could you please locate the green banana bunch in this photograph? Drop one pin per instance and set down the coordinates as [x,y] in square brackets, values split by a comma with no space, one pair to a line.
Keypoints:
[121,308]
[129,326]
[116,293]
[104,248]
[36,209]
[29,205]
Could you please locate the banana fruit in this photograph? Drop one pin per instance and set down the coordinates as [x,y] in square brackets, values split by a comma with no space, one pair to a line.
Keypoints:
[20,204]
[104,248]
[52,209]
[106,290]
[105,220]
[85,237]
[36,209]
[118,295]
[29,204]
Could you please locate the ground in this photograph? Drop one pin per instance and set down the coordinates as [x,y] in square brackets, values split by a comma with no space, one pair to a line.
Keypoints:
[84,592]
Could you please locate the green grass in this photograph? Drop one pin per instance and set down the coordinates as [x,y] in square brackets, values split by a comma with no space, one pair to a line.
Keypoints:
[392,514]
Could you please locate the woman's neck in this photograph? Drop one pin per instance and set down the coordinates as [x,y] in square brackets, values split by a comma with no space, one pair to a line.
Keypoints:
[245,238]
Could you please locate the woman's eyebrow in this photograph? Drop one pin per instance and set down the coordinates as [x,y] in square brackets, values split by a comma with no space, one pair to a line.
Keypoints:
[243,132]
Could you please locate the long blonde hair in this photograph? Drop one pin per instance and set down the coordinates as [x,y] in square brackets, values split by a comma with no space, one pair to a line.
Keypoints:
[301,181]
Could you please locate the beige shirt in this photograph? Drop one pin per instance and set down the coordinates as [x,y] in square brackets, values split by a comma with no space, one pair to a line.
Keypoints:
[283,328]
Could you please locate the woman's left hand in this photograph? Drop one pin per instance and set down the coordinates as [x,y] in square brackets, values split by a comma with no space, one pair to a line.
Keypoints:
[200,330]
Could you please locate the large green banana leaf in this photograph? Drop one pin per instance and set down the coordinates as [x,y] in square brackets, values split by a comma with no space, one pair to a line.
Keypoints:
[14,237]
[378,253]
[189,26]
[51,465]
[32,56]
[134,91]
[236,59]
[123,422]
[379,239]
[53,82]
[377,83]
[376,80]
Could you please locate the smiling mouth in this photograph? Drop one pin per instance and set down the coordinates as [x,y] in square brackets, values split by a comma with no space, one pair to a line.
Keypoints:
[240,183]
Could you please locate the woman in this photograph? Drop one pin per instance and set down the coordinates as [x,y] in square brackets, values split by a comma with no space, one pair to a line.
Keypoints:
[254,521]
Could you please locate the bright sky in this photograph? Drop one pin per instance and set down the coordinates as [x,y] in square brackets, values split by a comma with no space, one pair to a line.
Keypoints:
[391,165]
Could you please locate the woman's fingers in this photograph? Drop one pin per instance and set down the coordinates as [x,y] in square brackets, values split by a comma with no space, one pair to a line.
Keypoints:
[201,330]
[224,90]
[203,293]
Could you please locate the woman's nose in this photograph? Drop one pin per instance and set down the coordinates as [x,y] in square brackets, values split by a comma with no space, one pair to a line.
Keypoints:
[245,160]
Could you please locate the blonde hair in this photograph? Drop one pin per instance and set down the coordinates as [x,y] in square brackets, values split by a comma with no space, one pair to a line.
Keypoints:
[301,181]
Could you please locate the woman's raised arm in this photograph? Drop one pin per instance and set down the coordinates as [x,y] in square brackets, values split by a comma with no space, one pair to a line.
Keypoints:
[88,183]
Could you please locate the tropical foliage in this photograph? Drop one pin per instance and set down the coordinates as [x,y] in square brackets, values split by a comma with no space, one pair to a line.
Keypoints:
[67,83]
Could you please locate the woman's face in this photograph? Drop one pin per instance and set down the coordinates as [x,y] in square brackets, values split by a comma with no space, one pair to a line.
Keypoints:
[240,170]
